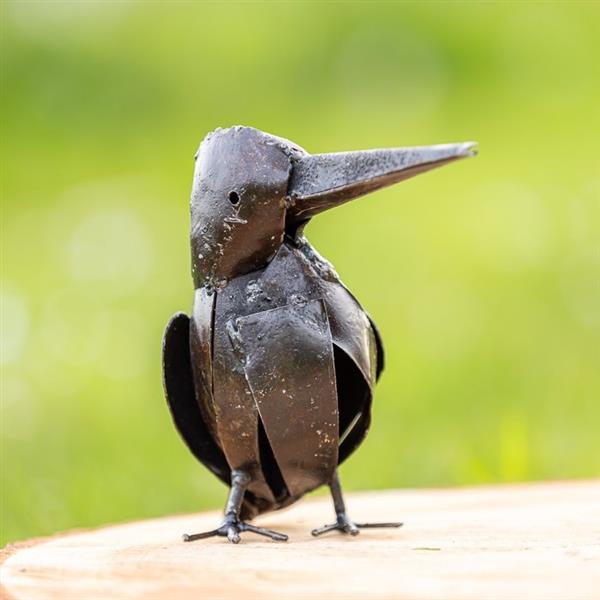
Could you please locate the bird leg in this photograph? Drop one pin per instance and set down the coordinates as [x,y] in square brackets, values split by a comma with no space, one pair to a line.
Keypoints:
[343,522]
[232,526]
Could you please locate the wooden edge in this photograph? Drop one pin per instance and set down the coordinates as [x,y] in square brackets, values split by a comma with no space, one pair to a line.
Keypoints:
[14,547]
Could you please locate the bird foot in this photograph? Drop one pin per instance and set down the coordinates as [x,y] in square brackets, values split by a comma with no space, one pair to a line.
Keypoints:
[345,525]
[231,529]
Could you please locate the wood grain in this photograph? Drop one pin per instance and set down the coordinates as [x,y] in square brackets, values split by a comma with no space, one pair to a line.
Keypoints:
[535,541]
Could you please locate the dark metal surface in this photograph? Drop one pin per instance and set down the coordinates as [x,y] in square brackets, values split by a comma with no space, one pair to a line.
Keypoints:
[292,277]
[296,397]
[179,390]
[271,383]
[321,181]
[238,203]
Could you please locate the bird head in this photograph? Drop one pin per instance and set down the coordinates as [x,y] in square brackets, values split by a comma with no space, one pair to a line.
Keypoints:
[251,189]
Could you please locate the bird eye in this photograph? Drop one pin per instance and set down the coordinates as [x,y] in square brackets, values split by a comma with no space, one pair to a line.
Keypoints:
[234,198]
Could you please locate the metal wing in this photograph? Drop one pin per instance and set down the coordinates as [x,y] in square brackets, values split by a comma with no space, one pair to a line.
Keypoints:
[289,366]
[379,345]
[181,398]
[356,395]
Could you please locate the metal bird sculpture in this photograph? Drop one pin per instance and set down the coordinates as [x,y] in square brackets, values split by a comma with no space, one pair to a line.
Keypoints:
[270,380]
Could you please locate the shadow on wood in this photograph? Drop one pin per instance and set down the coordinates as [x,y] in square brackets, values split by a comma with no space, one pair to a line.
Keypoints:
[535,541]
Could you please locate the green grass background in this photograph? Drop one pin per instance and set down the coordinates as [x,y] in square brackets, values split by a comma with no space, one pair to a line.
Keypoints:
[484,276]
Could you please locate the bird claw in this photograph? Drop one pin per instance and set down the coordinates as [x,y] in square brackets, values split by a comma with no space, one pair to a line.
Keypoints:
[232,528]
[345,525]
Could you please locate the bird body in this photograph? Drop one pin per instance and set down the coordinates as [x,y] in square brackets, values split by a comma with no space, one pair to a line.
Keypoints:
[294,288]
[270,382]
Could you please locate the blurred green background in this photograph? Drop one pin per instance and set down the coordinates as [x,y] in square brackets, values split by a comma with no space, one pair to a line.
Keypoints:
[484,276]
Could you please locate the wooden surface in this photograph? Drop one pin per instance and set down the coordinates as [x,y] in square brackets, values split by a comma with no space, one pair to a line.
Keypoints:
[534,541]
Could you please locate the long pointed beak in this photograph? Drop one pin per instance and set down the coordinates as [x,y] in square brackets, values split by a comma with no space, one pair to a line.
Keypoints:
[322,181]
